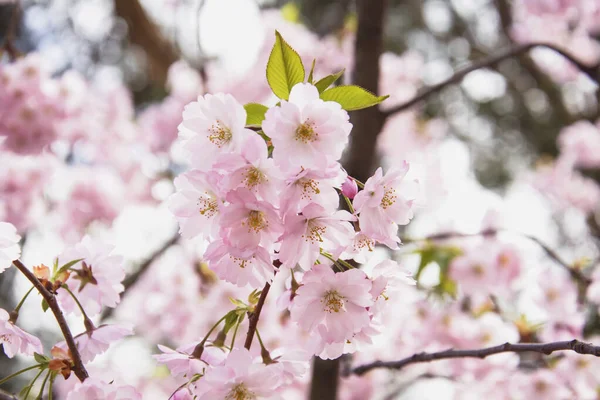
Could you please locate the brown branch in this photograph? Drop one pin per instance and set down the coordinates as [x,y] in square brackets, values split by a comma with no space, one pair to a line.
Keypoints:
[145,34]
[11,32]
[255,315]
[361,155]
[78,367]
[590,70]
[544,348]
[132,279]
[576,274]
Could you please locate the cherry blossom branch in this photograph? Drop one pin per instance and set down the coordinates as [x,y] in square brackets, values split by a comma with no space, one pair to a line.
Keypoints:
[131,280]
[544,348]
[255,315]
[590,70]
[575,273]
[78,367]
[11,30]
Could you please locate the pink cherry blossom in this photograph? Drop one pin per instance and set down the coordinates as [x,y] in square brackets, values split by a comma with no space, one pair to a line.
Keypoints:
[251,267]
[95,389]
[14,340]
[197,204]
[305,186]
[248,222]
[96,280]
[91,344]
[239,378]
[389,280]
[338,302]
[582,142]
[182,362]
[385,202]
[315,228]
[251,169]
[360,249]
[307,131]
[9,245]
[213,125]
[349,188]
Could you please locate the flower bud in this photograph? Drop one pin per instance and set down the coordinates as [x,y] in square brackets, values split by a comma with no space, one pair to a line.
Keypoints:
[349,188]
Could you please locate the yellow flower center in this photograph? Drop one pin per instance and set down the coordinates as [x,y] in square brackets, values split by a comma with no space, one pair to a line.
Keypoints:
[220,134]
[305,133]
[389,197]
[207,206]
[309,187]
[333,301]
[364,242]
[240,392]
[254,177]
[315,232]
[257,221]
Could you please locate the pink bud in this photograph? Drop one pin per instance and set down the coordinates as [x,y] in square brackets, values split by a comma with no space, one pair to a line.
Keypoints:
[349,188]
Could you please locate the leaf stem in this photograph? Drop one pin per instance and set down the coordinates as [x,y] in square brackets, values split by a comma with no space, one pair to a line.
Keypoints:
[9,377]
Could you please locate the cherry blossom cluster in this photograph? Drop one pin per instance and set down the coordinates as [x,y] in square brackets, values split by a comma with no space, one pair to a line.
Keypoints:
[83,279]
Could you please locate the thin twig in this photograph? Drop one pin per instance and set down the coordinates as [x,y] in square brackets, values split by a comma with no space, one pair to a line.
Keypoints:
[575,273]
[590,70]
[255,315]
[78,367]
[134,277]
[544,348]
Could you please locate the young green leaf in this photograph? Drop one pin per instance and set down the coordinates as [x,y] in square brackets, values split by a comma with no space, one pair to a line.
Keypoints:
[310,74]
[284,68]
[40,358]
[255,114]
[327,81]
[230,320]
[352,97]
[69,264]
[45,305]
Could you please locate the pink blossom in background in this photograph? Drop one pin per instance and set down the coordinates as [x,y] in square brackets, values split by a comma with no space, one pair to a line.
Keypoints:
[96,280]
[581,142]
[96,342]
[182,362]
[14,340]
[95,389]
[9,245]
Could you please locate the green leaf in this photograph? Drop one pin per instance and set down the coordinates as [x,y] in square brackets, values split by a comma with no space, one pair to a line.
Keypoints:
[69,265]
[230,321]
[329,80]
[352,97]
[312,70]
[255,114]
[45,305]
[441,255]
[284,69]
[40,358]
[237,302]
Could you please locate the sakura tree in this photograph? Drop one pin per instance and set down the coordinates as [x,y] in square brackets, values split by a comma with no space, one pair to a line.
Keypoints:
[297,231]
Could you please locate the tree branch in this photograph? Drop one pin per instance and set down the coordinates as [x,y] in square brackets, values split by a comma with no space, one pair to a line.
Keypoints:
[367,123]
[78,367]
[255,315]
[590,71]
[576,274]
[132,279]
[144,33]
[544,348]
